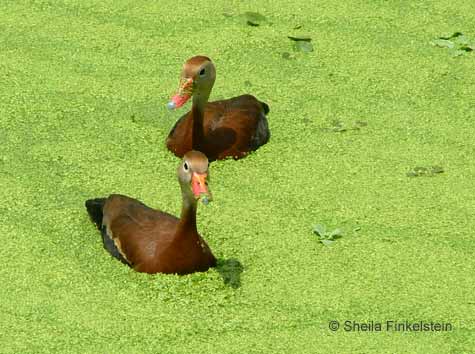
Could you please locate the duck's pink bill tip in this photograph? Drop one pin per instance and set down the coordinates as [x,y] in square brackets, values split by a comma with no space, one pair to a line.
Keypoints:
[171,105]
[177,101]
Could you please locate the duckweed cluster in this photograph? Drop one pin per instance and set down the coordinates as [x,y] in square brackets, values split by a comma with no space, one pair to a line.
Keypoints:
[82,114]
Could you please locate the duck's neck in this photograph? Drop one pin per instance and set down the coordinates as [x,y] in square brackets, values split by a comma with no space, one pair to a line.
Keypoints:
[188,216]
[197,113]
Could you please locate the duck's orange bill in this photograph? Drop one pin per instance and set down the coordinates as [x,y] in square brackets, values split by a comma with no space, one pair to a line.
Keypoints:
[198,184]
[177,101]
[185,91]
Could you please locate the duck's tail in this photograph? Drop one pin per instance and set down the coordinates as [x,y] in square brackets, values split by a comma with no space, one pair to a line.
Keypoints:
[265,106]
[94,209]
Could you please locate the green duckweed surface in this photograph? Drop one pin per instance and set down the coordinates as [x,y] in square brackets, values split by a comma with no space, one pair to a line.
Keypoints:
[82,114]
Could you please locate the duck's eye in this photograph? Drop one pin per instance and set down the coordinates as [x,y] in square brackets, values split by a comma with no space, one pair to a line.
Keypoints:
[185,166]
[202,72]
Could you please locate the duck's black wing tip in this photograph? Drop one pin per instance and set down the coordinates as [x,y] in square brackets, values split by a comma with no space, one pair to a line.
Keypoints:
[94,209]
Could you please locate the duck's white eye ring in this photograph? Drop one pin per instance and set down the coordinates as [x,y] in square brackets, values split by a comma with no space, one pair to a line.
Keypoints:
[185,166]
[202,72]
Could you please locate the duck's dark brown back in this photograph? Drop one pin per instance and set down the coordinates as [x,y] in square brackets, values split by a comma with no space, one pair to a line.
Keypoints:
[232,128]
[137,229]
[151,241]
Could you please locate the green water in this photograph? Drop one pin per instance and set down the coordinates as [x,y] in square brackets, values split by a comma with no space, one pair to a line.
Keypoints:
[82,114]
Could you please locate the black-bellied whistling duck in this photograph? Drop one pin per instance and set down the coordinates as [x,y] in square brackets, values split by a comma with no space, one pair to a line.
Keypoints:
[153,241]
[220,129]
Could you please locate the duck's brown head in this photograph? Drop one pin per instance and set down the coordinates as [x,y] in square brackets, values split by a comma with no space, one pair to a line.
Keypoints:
[193,176]
[197,79]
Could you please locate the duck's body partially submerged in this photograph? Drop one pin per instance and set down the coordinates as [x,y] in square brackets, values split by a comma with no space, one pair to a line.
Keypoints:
[231,128]
[220,129]
[153,241]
